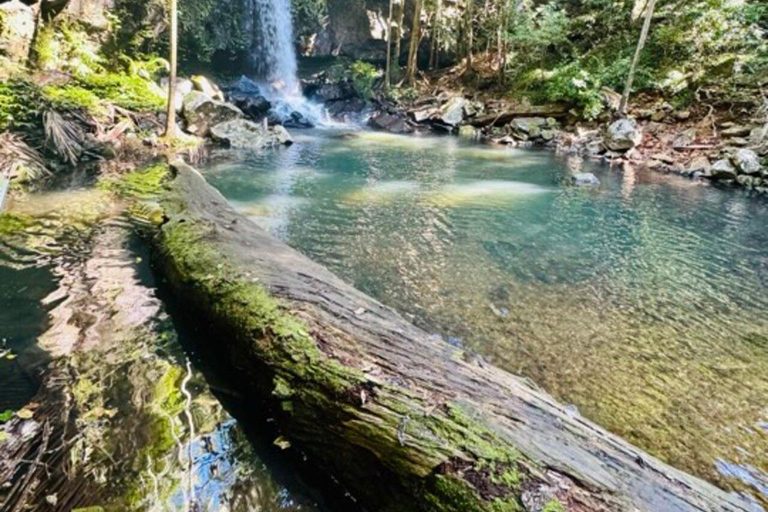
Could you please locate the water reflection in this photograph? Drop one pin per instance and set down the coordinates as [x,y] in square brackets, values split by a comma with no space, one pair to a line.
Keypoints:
[641,301]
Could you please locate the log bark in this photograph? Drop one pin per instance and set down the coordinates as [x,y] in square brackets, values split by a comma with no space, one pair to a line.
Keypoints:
[403,420]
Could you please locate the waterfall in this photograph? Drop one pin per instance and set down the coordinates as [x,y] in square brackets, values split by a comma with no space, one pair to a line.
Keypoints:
[274,58]
[274,52]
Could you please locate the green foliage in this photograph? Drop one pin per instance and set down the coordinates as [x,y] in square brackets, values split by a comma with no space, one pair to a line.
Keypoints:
[553,505]
[6,416]
[21,106]
[574,85]
[363,76]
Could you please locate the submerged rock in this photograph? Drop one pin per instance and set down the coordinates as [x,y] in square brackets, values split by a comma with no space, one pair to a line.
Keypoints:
[585,179]
[623,135]
[243,134]
[201,112]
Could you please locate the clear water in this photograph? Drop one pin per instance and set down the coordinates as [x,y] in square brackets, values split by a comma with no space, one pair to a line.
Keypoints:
[77,291]
[643,302]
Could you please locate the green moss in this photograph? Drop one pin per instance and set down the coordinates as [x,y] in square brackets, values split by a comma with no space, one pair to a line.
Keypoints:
[12,223]
[142,184]
[554,505]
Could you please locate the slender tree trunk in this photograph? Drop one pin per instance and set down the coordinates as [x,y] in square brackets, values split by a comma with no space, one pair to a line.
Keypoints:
[170,125]
[503,50]
[399,20]
[435,46]
[638,51]
[470,31]
[390,29]
[413,50]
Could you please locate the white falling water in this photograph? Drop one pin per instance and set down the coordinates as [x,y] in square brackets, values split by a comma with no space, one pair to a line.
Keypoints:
[275,60]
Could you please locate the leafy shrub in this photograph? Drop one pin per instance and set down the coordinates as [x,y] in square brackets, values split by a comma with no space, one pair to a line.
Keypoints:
[363,76]
[572,84]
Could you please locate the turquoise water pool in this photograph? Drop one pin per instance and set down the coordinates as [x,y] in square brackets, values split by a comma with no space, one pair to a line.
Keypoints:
[643,302]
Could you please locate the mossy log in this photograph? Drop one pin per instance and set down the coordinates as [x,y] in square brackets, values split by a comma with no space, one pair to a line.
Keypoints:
[403,420]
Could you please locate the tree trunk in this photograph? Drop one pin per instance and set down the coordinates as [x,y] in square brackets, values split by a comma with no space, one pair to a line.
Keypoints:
[413,49]
[390,29]
[469,22]
[399,20]
[638,51]
[170,123]
[404,421]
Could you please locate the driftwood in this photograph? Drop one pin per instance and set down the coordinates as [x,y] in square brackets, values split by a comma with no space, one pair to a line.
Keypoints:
[507,115]
[403,420]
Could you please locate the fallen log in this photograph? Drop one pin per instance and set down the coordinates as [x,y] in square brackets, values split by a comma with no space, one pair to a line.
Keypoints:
[505,116]
[401,419]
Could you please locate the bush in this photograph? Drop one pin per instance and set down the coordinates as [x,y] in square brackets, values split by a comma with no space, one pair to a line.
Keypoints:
[572,84]
[363,76]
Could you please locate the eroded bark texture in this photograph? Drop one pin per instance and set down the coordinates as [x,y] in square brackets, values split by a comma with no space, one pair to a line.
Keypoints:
[403,420]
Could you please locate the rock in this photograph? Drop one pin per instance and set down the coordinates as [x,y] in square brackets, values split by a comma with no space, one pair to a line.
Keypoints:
[469,132]
[594,147]
[423,114]
[529,125]
[699,164]
[738,141]
[390,123]
[244,134]
[452,113]
[208,88]
[183,87]
[17,28]
[548,135]
[610,98]
[746,162]
[684,139]
[254,105]
[585,179]
[294,120]
[682,115]
[748,181]
[245,85]
[201,112]
[721,170]
[623,135]
[736,131]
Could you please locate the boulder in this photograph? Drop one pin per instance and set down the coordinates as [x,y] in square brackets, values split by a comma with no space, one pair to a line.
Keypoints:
[17,28]
[721,170]
[183,87]
[201,112]
[746,162]
[452,113]
[244,134]
[623,135]
[390,123]
[699,164]
[207,87]
[529,125]
[469,132]
[254,105]
[424,114]
[585,179]
[245,85]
